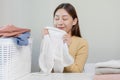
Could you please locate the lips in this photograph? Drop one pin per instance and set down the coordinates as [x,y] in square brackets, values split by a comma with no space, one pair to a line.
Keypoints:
[61,28]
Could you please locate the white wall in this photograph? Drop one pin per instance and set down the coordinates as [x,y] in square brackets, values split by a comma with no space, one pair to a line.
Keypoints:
[99,23]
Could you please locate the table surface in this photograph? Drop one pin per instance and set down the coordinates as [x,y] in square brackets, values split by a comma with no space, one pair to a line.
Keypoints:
[58,76]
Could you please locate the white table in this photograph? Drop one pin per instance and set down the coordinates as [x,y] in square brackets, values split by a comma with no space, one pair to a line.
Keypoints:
[58,76]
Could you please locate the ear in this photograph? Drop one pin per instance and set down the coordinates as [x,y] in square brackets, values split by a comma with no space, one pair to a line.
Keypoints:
[75,21]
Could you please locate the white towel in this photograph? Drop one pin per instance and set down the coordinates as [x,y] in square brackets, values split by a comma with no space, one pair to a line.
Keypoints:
[54,52]
[99,71]
[108,64]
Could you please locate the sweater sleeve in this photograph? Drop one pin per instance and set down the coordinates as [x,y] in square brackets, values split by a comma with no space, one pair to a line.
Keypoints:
[80,58]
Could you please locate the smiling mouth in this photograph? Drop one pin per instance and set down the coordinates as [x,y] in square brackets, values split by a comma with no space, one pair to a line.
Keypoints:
[61,28]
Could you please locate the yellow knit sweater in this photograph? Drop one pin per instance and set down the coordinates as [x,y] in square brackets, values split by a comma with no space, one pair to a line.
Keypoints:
[79,51]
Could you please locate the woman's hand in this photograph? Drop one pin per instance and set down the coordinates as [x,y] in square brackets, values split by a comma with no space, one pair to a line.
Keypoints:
[67,39]
[45,32]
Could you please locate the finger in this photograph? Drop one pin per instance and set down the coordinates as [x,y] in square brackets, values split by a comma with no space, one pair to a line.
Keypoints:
[45,31]
[65,40]
[66,36]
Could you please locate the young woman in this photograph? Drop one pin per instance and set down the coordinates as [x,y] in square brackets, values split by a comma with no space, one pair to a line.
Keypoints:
[65,18]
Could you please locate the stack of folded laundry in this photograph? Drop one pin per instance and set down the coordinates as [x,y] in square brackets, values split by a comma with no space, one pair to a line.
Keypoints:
[109,70]
[19,35]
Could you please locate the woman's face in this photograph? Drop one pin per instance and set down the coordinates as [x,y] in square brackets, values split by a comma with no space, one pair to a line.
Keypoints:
[63,20]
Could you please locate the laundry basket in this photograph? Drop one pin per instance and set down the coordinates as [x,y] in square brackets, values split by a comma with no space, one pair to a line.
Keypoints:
[15,61]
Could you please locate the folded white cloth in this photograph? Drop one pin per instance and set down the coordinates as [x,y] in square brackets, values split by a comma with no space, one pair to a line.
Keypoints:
[108,64]
[107,71]
[54,52]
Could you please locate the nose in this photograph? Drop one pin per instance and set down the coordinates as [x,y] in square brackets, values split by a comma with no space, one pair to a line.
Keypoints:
[60,22]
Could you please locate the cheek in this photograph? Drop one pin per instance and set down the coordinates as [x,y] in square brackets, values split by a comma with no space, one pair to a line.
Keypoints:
[69,22]
[54,23]
[68,26]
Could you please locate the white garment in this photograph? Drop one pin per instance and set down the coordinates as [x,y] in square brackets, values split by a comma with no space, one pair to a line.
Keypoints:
[54,52]
[108,64]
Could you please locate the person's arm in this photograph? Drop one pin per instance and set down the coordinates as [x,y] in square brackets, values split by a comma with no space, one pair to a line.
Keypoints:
[80,58]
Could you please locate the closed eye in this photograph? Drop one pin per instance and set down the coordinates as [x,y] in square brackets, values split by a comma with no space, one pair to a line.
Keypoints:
[65,19]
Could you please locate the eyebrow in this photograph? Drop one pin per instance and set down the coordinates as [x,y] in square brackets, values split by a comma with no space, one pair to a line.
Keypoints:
[62,15]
